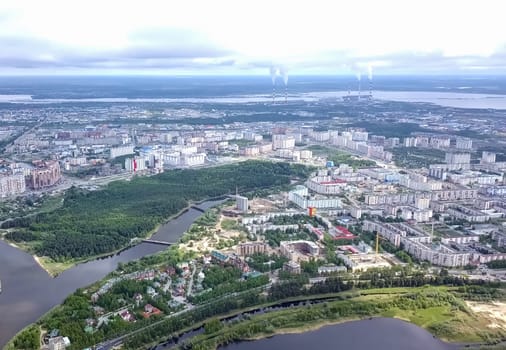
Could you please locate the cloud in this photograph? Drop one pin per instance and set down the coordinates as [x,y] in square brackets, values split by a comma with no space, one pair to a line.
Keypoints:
[153,48]
[184,49]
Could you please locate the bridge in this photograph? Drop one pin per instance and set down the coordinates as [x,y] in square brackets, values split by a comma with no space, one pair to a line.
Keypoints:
[198,209]
[154,241]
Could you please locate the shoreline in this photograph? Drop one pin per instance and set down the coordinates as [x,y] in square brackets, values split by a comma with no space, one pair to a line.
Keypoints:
[37,260]
[46,266]
[316,326]
[72,263]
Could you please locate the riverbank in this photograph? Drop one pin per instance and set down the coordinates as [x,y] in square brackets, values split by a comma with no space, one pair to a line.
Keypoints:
[30,293]
[54,268]
[433,309]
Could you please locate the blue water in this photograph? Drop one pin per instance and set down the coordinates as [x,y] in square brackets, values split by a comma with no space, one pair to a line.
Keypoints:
[375,334]
[209,86]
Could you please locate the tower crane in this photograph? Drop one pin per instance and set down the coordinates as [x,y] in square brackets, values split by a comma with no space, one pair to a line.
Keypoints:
[377,244]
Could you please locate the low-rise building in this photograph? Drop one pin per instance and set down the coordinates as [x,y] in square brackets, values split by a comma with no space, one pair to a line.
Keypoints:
[292,267]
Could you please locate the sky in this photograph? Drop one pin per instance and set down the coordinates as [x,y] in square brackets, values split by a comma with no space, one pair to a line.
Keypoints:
[250,36]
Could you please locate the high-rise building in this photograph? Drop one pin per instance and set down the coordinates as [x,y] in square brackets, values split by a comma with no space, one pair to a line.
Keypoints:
[360,135]
[457,158]
[46,173]
[282,141]
[463,143]
[12,184]
[242,203]
[487,157]
[121,151]
[135,164]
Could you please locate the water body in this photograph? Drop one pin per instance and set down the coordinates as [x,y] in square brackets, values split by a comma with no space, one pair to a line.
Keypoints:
[377,334]
[28,291]
[452,91]
[447,99]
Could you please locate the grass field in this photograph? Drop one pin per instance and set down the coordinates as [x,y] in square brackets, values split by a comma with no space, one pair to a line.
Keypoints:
[434,309]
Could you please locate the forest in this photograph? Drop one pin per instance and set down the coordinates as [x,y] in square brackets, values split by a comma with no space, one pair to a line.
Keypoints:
[97,222]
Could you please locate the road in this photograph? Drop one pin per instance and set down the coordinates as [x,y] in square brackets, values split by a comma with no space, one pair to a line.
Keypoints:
[108,345]
[190,284]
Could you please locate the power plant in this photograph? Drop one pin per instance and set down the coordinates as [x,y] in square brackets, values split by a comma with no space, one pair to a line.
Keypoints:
[281,71]
[359,96]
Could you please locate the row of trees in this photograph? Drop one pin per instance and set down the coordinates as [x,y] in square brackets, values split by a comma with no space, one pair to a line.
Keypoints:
[310,313]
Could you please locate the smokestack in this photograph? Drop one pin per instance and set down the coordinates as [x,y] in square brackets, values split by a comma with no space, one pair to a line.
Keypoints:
[359,77]
[370,79]
[284,74]
[273,72]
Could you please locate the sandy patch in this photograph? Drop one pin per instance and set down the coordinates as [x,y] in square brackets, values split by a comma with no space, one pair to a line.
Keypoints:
[495,311]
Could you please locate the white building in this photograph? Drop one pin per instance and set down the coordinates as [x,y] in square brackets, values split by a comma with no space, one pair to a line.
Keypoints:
[282,141]
[193,159]
[487,157]
[135,164]
[301,198]
[173,158]
[242,203]
[284,153]
[320,136]
[325,185]
[251,151]
[419,215]
[306,154]
[464,143]
[299,250]
[475,177]
[440,142]
[419,244]
[121,151]
[410,142]
[457,158]
[11,185]
[359,135]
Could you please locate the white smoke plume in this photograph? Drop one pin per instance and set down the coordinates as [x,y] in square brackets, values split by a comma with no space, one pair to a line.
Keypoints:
[274,72]
[284,73]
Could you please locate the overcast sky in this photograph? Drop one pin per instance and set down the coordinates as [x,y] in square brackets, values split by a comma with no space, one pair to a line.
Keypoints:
[248,36]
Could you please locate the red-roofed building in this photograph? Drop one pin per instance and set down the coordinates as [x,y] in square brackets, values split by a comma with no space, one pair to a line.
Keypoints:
[325,184]
[341,232]
[150,310]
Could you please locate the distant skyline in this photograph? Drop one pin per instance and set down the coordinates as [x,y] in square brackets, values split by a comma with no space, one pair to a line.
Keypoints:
[247,37]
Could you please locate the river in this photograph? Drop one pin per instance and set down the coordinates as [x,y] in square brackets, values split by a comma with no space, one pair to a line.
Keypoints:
[28,291]
[377,334]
